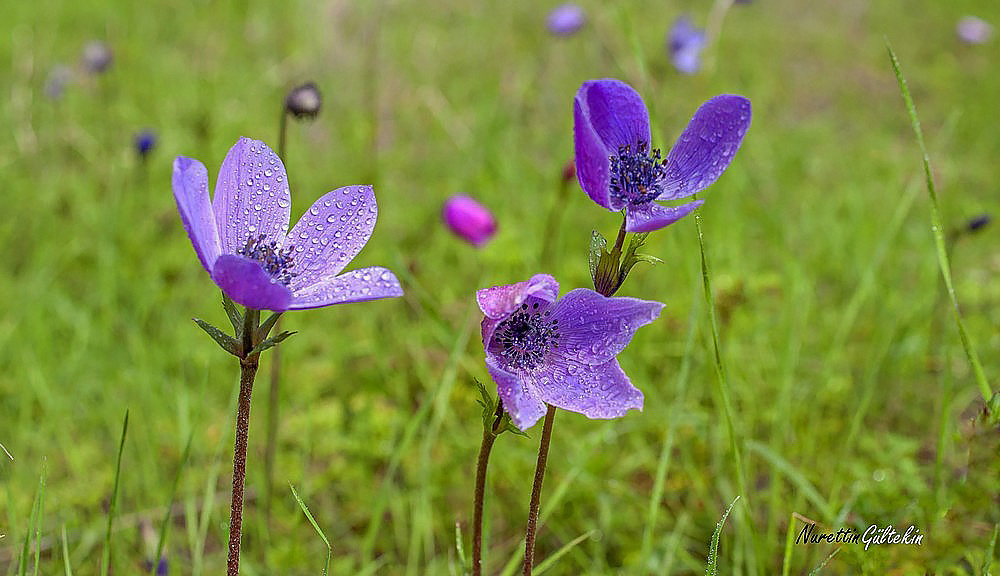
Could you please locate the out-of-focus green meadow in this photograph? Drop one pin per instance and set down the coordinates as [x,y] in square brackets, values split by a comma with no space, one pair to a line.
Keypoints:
[854,404]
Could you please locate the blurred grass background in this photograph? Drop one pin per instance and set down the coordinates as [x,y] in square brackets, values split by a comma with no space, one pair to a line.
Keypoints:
[853,399]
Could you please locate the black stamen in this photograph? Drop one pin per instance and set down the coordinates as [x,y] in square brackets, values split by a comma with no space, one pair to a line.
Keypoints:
[636,176]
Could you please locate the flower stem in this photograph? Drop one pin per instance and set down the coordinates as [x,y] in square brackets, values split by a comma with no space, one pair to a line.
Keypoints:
[248,370]
[536,490]
[552,224]
[489,437]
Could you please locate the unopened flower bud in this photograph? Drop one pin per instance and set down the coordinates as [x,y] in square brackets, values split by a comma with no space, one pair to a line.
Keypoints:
[469,219]
[304,101]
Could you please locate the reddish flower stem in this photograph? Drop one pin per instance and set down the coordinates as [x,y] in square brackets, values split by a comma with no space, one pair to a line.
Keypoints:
[248,370]
[536,490]
[489,437]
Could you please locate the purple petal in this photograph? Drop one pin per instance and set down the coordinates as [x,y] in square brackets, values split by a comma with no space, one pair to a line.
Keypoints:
[251,196]
[469,219]
[596,391]
[591,157]
[331,233]
[190,183]
[498,302]
[247,283]
[355,286]
[707,146]
[653,216]
[594,328]
[616,112]
[520,401]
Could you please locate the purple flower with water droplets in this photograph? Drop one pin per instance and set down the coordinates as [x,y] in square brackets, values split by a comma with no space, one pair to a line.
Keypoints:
[241,235]
[543,350]
[684,44]
[566,19]
[617,168]
[469,219]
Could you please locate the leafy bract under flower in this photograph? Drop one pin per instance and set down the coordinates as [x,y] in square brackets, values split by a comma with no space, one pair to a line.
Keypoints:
[618,169]
[241,235]
[543,350]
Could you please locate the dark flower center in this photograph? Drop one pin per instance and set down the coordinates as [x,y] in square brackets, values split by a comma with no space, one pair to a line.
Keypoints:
[636,175]
[526,337]
[276,261]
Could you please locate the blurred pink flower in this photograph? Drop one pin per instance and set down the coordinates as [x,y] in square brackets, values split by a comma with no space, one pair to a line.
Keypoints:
[469,219]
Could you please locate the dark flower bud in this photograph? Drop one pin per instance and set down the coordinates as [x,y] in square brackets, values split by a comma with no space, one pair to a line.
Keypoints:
[304,101]
[978,223]
[145,141]
[569,171]
[97,57]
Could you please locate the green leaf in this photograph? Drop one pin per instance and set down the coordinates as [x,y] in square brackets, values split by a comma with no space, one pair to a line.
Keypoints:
[309,516]
[632,257]
[235,318]
[227,342]
[266,326]
[597,245]
[270,343]
[489,405]
[713,552]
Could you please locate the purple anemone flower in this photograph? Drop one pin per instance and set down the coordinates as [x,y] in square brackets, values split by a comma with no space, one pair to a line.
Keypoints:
[684,44]
[241,235]
[540,350]
[566,19]
[469,219]
[617,168]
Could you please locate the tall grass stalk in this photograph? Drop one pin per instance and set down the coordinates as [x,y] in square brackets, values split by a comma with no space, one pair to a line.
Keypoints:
[937,226]
[106,555]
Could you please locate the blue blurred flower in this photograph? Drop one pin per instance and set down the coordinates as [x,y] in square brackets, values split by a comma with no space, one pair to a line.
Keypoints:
[684,44]
[55,84]
[566,19]
[97,57]
[145,141]
[973,30]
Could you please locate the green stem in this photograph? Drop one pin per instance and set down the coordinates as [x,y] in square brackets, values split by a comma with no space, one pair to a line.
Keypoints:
[536,490]
[552,223]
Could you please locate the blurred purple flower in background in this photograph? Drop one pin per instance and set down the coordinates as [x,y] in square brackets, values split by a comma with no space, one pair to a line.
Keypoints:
[469,219]
[684,43]
[240,234]
[145,141]
[566,19]
[540,350]
[973,30]
[617,168]
[55,83]
[97,57]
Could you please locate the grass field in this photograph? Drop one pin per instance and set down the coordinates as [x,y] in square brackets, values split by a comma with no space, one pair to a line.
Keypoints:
[853,401]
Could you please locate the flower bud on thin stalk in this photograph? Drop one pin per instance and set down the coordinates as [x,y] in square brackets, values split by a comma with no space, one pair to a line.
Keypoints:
[303,103]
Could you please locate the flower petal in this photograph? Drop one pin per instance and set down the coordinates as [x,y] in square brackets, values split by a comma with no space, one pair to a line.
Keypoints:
[594,328]
[705,149]
[190,183]
[591,157]
[251,196]
[498,302]
[653,216]
[331,233]
[247,283]
[616,112]
[355,286]
[596,391]
[520,401]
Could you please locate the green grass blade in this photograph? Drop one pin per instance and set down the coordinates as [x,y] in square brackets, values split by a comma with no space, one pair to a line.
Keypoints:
[460,549]
[987,569]
[816,570]
[65,550]
[551,560]
[711,569]
[786,563]
[33,523]
[938,227]
[721,380]
[165,525]
[106,555]
[38,518]
[309,516]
